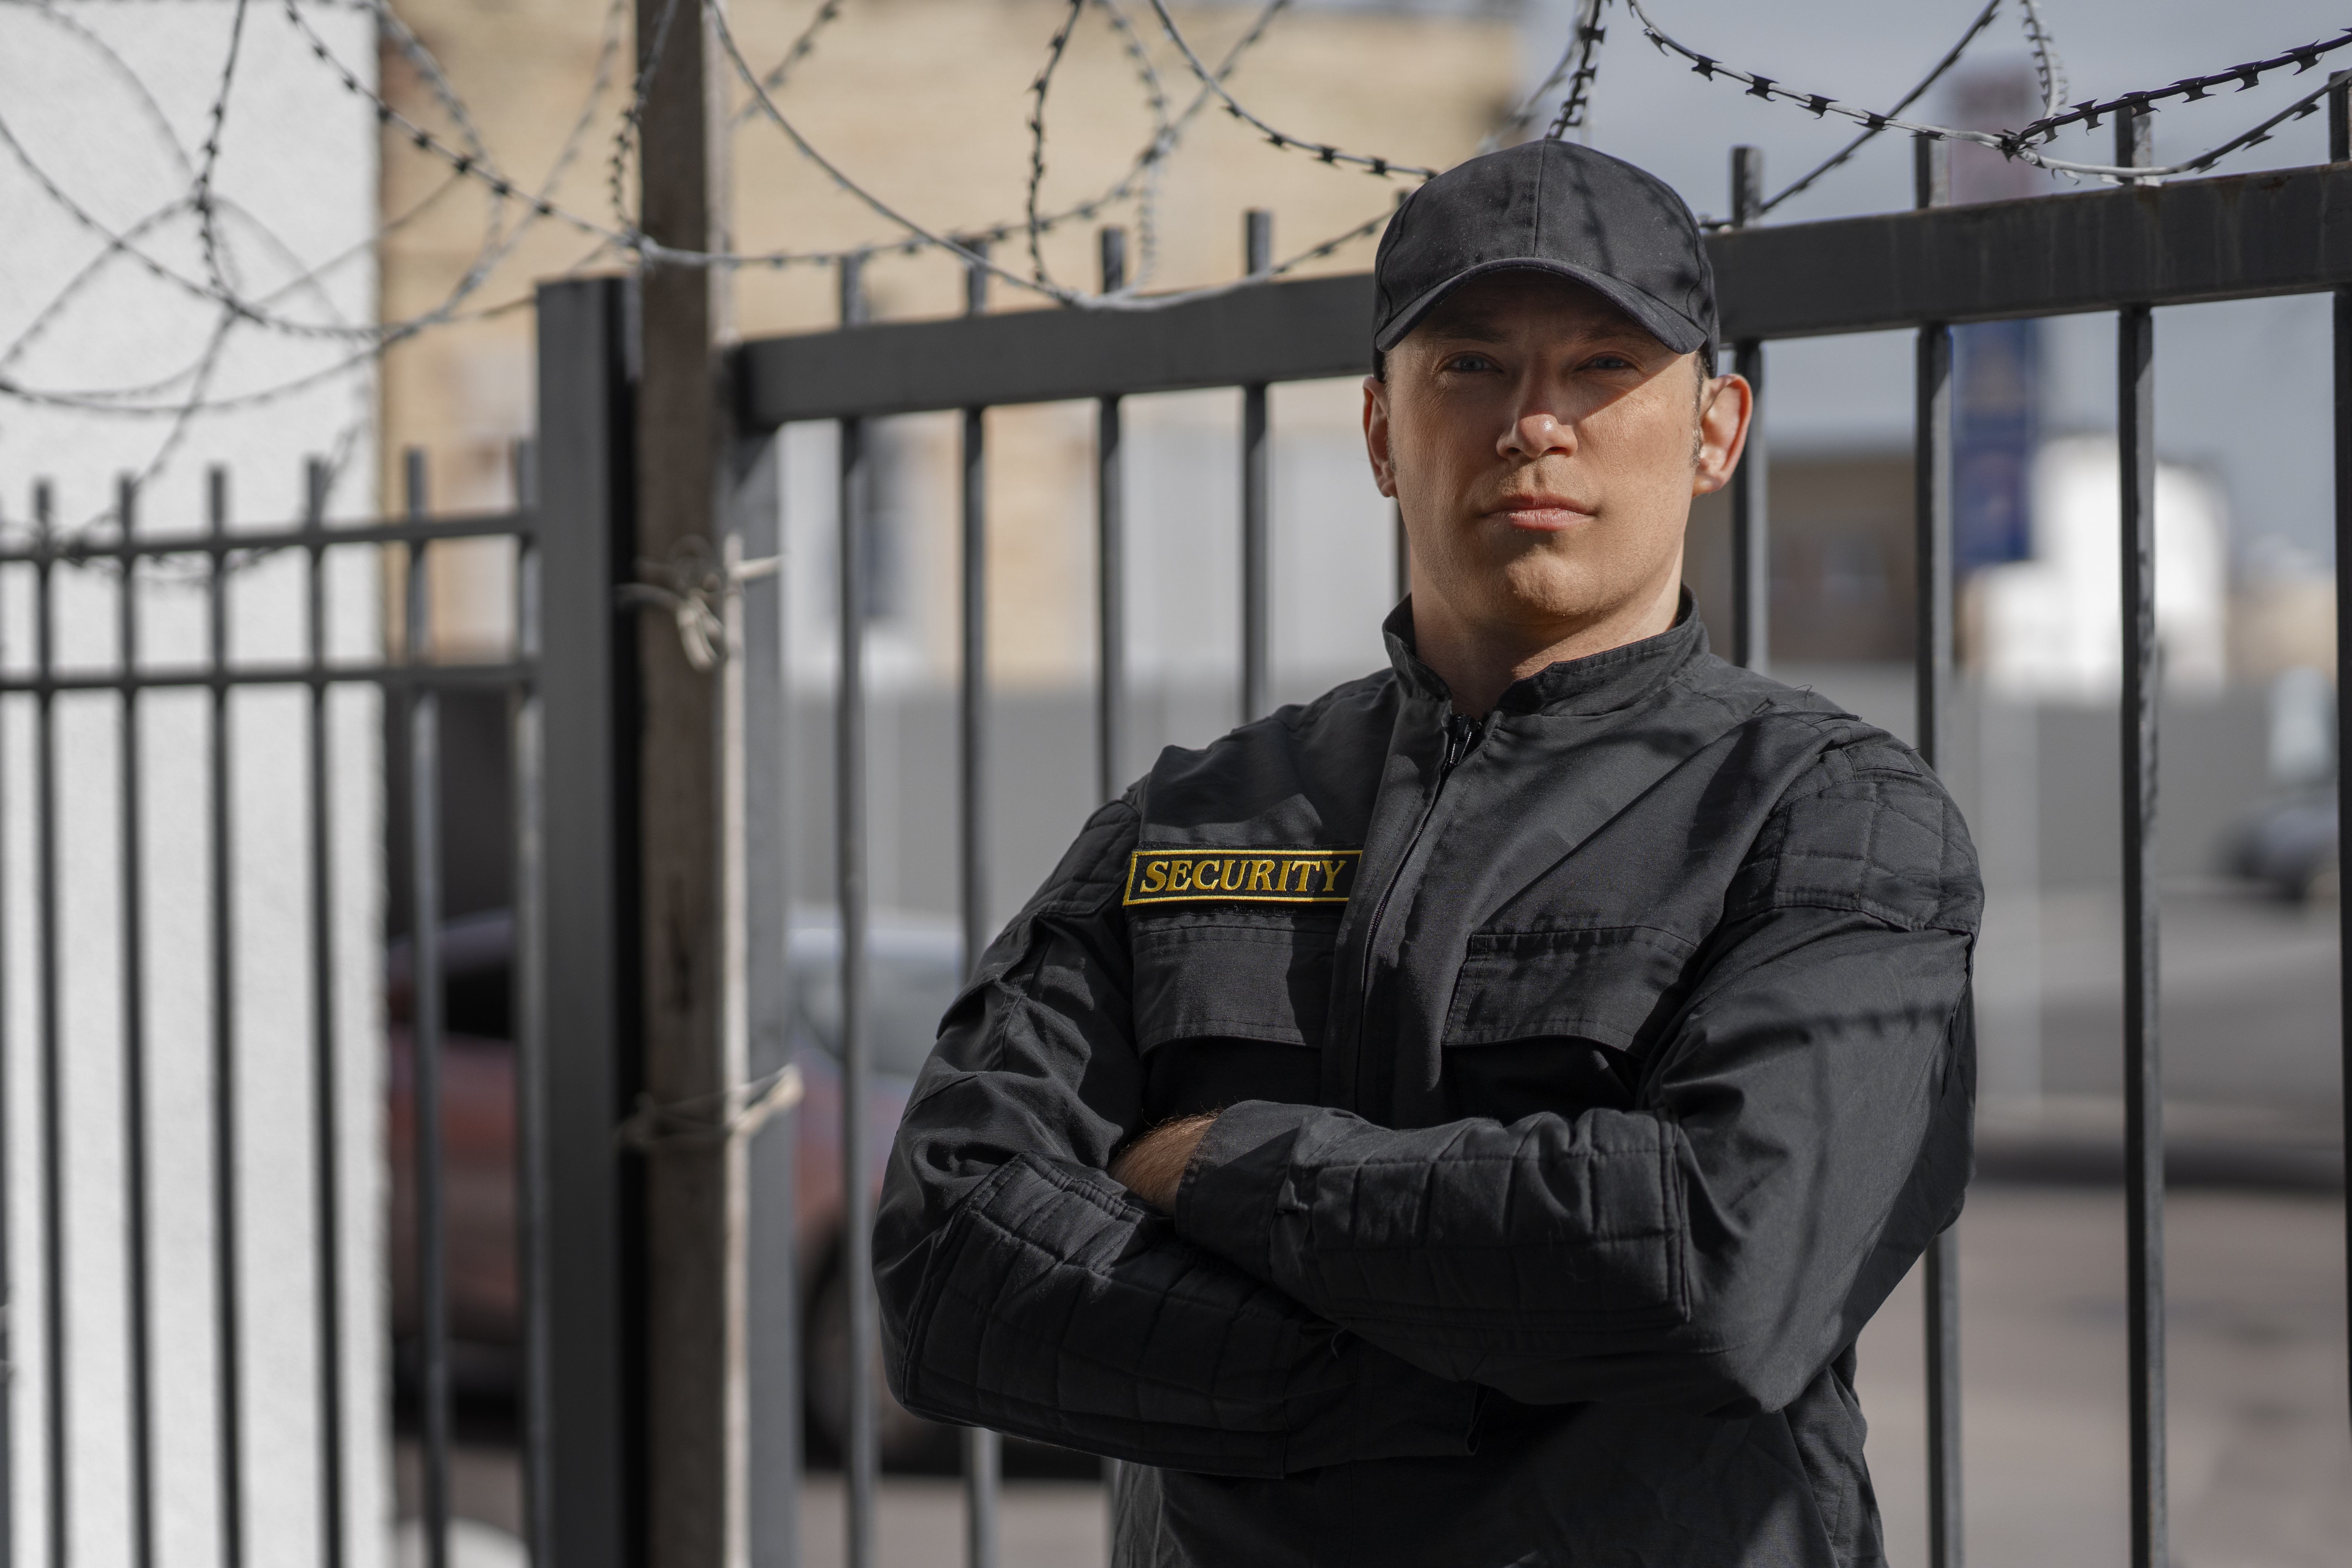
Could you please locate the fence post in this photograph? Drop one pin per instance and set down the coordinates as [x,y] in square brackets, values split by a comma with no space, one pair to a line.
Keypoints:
[1931,170]
[1751,552]
[583,1462]
[2143,1061]
[693,1311]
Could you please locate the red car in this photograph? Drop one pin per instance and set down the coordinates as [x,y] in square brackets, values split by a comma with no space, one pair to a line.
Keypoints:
[915,967]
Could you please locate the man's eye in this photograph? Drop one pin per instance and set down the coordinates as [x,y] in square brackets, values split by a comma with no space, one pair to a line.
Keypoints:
[1610,362]
[1470,363]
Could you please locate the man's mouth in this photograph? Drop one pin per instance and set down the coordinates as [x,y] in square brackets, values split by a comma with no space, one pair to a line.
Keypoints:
[1542,513]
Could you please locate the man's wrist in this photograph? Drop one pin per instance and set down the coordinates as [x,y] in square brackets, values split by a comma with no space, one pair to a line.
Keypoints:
[1153,1166]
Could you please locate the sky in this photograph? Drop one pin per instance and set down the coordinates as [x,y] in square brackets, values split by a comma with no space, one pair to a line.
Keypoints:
[2241,388]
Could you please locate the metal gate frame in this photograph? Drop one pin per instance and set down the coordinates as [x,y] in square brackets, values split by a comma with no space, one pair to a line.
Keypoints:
[2126,250]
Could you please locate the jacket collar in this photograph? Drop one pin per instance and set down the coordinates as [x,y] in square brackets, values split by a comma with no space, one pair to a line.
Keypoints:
[1597,683]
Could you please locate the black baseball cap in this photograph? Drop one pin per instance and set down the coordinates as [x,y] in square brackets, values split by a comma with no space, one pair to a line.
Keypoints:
[1549,206]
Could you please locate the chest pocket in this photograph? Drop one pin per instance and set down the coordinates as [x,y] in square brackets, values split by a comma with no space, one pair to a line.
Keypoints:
[1234,974]
[1615,985]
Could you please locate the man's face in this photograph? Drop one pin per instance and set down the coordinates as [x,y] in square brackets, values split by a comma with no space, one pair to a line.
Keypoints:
[1544,448]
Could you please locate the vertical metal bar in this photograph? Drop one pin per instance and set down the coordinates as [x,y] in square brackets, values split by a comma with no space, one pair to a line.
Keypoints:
[1932,523]
[425,1032]
[53,1219]
[774,1365]
[226,1230]
[2339,148]
[1110,560]
[138,1300]
[326,1144]
[1110,599]
[590,699]
[1257,256]
[1751,554]
[8,1304]
[982,1453]
[528,987]
[734,1056]
[2143,1066]
[861,1464]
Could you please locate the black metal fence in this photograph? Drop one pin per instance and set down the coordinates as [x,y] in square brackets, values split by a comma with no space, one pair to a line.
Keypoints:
[2126,251]
[147,574]
[578,967]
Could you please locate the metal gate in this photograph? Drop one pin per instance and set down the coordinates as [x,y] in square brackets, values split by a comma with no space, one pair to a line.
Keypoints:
[580,975]
[2126,251]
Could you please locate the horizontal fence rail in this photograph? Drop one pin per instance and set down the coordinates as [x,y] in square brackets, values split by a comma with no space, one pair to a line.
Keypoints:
[2236,238]
[2129,249]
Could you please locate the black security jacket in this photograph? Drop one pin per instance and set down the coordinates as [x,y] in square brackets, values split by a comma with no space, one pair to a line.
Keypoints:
[1571,1132]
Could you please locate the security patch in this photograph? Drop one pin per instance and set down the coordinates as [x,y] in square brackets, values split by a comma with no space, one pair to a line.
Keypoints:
[1245,876]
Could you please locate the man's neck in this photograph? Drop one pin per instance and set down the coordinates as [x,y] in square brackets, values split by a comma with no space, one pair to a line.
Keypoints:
[1478,661]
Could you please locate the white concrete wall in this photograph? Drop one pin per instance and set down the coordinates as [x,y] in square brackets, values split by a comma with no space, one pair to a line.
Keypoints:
[109,104]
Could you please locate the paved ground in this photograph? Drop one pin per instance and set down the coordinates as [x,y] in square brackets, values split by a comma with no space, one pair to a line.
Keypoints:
[2262,1453]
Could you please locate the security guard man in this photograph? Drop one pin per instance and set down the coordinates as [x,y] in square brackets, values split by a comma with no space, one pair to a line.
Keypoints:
[1469,1118]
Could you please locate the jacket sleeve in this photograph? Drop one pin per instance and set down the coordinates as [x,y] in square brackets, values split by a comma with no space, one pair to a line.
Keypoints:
[1023,1289]
[1801,1132]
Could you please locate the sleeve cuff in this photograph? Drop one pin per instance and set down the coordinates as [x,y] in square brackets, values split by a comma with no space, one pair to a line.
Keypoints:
[1233,1189]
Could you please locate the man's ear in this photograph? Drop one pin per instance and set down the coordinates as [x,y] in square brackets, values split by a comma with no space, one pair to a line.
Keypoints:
[1376,435]
[1725,408]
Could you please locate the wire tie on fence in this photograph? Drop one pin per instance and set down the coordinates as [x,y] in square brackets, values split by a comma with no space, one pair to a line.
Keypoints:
[654,1126]
[687,588]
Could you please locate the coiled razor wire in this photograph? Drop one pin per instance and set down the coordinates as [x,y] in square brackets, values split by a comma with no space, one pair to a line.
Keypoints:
[2015,143]
[469,160]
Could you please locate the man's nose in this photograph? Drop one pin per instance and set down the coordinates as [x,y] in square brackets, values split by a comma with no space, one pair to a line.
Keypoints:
[1536,432]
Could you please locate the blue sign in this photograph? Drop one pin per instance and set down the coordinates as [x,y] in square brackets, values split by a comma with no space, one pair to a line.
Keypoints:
[1997,420]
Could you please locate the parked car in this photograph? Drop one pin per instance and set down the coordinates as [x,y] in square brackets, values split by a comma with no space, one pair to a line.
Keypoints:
[2288,843]
[915,968]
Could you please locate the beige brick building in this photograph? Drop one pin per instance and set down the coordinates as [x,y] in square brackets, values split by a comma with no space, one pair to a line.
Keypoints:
[926,103]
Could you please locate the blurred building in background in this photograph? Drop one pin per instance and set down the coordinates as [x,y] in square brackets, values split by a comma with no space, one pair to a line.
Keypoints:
[924,102]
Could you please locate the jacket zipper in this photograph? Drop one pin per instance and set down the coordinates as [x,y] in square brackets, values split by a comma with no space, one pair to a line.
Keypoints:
[1462,735]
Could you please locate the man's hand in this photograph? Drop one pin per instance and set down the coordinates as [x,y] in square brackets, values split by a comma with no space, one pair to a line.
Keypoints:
[1152,1167]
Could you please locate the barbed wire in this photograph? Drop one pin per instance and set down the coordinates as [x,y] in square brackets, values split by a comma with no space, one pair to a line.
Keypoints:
[1574,55]
[1282,139]
[961,246]
[516,209]
[1038,88]
[1154,161]
[1589,36]
[2089,113]
[2049,70]
[802,45]
[252,309]
[627,240]
[1141,179]
[2012,144]
[1842,155]
[650,60]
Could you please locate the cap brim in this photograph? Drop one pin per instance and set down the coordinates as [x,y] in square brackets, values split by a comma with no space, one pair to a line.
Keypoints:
[1669,326]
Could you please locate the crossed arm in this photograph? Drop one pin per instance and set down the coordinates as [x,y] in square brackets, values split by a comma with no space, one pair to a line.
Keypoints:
[1282,1287]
